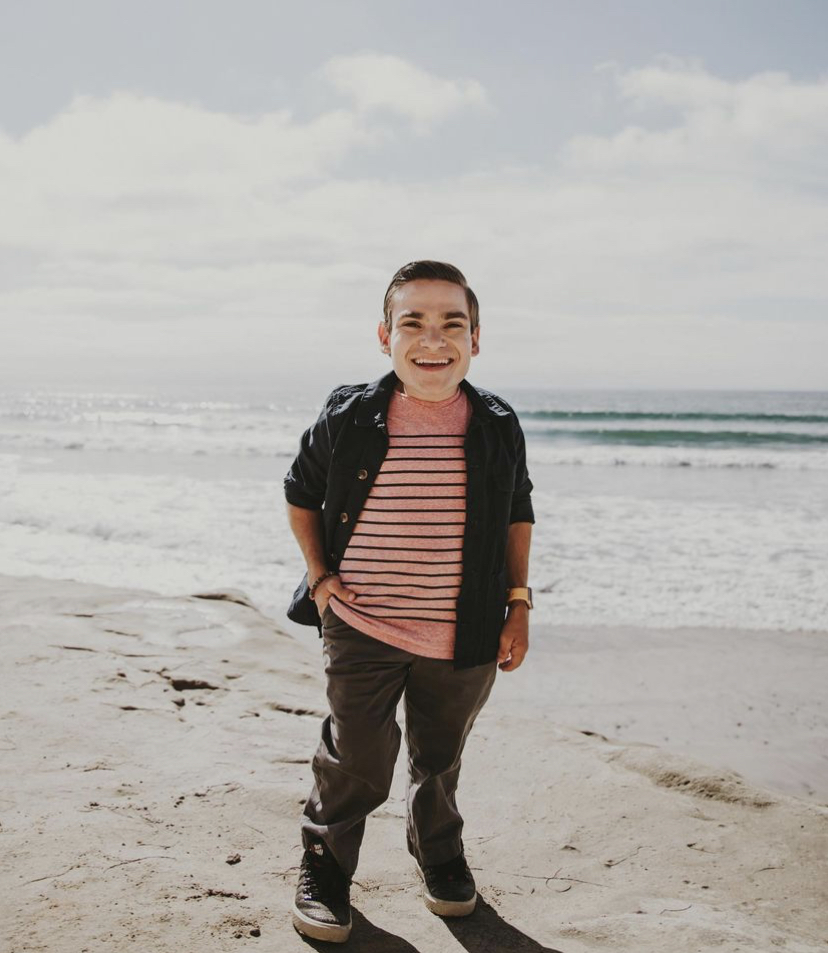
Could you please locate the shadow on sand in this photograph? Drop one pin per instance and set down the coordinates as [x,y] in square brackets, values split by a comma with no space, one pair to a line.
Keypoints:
[483,932]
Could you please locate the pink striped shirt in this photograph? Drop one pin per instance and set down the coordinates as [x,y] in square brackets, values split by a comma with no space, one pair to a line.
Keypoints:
[405,556]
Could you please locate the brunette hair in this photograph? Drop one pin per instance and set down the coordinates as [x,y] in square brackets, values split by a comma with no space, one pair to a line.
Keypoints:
[431,271]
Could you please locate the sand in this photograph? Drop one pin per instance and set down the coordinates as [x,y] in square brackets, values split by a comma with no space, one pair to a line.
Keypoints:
[156,755]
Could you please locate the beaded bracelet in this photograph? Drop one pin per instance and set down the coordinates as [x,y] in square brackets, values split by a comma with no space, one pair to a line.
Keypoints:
[330,572]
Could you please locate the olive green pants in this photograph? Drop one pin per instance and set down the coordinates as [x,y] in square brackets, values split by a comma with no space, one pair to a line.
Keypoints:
[354,763]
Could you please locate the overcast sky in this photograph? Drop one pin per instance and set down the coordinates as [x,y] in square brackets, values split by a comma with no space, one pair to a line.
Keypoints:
[217,194]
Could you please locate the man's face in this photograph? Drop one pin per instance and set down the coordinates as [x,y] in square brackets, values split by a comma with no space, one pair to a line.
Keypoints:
[431,342]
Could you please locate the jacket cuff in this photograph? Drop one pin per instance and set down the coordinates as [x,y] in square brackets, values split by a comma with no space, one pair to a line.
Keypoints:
[297,496]
[522,512]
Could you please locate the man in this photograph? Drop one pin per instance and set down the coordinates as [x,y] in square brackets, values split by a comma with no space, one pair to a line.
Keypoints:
[410,500]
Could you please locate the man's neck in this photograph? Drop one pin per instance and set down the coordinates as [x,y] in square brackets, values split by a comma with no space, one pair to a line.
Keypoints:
[401,388]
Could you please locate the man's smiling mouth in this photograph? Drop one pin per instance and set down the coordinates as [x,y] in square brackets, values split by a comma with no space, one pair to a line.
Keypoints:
[429,362]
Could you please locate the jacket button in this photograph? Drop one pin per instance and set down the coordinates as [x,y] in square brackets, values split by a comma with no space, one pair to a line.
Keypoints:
[334,556]
[343,517]
[362,474]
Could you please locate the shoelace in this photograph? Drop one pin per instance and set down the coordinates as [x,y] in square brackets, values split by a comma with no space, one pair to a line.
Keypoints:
[319,876]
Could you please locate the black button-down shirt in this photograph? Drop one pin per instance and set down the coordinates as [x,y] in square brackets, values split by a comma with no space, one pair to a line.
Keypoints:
[339,459]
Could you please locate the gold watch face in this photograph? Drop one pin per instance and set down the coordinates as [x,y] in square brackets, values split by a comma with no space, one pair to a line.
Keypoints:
[520,594]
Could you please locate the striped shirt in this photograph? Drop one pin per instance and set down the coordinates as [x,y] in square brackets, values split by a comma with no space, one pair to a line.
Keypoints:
[405,556]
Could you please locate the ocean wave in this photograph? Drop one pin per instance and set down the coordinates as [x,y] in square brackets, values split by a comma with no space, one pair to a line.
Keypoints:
[678,438]
[283,447]
[721,458]
[585,415]
[752,432]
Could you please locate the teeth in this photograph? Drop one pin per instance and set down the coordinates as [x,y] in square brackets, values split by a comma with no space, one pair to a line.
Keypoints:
[432,362]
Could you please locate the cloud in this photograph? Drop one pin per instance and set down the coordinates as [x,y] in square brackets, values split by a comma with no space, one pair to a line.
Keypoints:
[765,124]
[162,222]
[725,199]
[379,82]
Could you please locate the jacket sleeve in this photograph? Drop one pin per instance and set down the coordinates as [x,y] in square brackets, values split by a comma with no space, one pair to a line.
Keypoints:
[307,479]
[522,511]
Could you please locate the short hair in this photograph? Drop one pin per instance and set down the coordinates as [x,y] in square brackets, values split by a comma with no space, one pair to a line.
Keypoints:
[431,271]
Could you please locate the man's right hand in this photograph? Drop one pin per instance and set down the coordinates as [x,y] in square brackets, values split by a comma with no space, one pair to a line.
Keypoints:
[332,586]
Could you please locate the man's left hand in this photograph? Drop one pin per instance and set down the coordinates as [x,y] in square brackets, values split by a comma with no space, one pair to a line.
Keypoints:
[514,638]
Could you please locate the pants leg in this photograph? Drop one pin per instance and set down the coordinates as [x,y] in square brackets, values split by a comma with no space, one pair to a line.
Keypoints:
[354,764]
[441,705]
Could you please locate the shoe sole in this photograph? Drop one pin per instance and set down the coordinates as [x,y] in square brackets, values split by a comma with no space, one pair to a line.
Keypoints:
[445,908]
[320,931]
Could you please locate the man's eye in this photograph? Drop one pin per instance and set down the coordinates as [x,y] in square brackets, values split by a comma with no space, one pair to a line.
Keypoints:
[416,324]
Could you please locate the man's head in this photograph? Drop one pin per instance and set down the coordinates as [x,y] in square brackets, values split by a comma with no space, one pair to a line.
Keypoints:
[430,328]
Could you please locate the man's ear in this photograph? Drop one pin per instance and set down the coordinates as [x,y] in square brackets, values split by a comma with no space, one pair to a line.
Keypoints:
[384,337]
[475,341]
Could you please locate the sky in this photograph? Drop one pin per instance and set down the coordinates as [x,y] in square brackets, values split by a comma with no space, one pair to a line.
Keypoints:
[207,195]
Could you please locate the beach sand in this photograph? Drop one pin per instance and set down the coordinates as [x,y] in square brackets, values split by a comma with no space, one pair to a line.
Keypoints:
[156,756]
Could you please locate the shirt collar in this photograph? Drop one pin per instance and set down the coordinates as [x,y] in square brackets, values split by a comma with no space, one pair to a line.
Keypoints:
[373,404]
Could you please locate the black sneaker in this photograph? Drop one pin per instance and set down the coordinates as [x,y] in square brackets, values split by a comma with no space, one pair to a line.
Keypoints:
[448,889]
[322,908]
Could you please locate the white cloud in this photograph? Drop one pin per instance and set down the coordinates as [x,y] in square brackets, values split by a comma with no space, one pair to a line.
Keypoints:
[374,81]
[765,124]
[165,222]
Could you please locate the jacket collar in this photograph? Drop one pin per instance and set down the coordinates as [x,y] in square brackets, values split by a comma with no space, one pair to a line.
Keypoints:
[373,404]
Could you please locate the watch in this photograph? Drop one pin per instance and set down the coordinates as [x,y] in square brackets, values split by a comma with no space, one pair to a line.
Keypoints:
[520,594]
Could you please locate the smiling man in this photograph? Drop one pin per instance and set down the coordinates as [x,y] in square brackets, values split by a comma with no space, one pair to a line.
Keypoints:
[429,334]
[410,500]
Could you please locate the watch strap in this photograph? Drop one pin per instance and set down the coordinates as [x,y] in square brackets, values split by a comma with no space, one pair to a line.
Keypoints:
[519,594]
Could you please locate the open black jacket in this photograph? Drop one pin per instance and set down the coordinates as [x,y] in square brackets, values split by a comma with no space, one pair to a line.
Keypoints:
[338,461]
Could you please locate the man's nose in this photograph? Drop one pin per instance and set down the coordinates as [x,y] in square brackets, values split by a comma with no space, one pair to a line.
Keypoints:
[432,336]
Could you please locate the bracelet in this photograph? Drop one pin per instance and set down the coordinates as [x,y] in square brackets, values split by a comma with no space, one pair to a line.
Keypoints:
[329,572]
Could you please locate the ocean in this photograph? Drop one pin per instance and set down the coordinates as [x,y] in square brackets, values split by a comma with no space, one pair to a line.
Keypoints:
[653,508]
